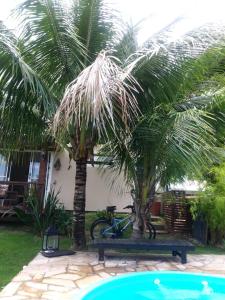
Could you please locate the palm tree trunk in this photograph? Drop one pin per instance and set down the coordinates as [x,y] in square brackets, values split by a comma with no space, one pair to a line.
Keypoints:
[152,193]
[138,226]
[79,204]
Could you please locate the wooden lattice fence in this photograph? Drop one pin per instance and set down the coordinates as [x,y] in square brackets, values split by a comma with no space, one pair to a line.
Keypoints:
[176,210]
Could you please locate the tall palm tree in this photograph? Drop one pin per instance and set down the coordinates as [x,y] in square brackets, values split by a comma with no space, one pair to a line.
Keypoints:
[99,100]
[175,135]
[62,65]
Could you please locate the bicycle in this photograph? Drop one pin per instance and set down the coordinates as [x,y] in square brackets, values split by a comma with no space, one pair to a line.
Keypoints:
[111,227]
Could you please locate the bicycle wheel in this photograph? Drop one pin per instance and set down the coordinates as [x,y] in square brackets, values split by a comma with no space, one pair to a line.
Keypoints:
[102,229]
[150,231]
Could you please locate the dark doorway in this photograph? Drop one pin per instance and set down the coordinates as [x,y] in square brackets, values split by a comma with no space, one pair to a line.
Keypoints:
[19,170]
[20,167]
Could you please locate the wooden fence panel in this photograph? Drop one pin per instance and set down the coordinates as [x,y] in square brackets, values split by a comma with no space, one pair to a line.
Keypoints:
[176,210]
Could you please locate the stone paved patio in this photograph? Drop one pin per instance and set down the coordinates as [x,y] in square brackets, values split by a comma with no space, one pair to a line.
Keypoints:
[63,277]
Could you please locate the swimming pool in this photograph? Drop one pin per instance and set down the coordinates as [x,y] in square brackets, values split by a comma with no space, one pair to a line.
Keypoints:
[159,286]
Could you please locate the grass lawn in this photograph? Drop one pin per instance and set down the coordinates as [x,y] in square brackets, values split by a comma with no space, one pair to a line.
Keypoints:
[209,250]
[17,247]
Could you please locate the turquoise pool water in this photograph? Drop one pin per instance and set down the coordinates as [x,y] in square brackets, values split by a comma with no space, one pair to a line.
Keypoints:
[159,286]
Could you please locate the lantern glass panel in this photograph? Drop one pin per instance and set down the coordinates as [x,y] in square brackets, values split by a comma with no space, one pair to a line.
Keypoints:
[44,244]
[50,240]
[53,242]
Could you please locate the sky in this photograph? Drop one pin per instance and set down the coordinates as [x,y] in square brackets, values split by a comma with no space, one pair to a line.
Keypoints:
[159,13]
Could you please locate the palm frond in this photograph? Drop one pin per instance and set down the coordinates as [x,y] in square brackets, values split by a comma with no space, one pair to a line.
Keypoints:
[95,21]
[53,47]
[25,101]
[126,44]
[99,97]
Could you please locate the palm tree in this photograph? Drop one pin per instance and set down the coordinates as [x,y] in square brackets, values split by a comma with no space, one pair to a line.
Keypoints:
[64,52]
[95,103]
[175,135]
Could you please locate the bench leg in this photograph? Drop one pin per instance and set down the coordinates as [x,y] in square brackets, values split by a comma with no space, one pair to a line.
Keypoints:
[182,254]
[174,253]
[183,257]
[101,254]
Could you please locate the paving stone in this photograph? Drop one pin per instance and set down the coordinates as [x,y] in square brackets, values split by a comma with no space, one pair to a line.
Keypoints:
[98,267]
[55,271]
[94,263]
[52,295]
[61,282]
[28,294]
[15,298]
[22,277]
[10,289]
[141,269]
[128,269]
[86,269]
[73,268]
[196,264]
[104,275]
[165,267]
[131,262]
[192,270]
[114,270]
[115,263]
[215,266]
[73,295]
[81,263]
[38,277]
[36,286]
[57,288]
[39,261]
[87,281]
[110,264]
[32,271]
[181,267]
[162,266]
[67,276]
[147,262]
[152,268]
[32,291]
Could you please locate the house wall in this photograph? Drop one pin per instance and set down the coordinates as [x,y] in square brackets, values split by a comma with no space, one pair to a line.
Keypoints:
[99,191]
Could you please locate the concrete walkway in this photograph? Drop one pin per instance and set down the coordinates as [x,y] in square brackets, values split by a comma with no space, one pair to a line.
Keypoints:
[63,277]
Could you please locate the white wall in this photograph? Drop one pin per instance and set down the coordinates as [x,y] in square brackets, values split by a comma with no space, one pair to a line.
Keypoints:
[188,186]
[99,191]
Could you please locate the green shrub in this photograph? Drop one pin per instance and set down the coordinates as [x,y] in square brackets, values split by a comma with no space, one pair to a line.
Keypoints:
[103,214]
[42,213]
[210,204]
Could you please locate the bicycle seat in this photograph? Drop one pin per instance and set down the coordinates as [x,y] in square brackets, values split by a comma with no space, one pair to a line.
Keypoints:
[110,209]
[130,207]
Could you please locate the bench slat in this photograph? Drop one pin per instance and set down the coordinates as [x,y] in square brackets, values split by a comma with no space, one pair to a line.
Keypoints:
[143,243]
[177,247]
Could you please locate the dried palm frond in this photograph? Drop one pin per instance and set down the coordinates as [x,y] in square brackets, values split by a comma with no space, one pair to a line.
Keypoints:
[100,96]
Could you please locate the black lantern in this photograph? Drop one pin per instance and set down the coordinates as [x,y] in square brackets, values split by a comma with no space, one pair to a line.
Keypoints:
[50,243]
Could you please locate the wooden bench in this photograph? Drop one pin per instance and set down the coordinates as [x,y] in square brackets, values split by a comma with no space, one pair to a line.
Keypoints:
[177,247]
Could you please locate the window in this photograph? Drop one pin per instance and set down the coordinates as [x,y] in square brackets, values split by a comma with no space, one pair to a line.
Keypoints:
[34,167]
[4,166]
